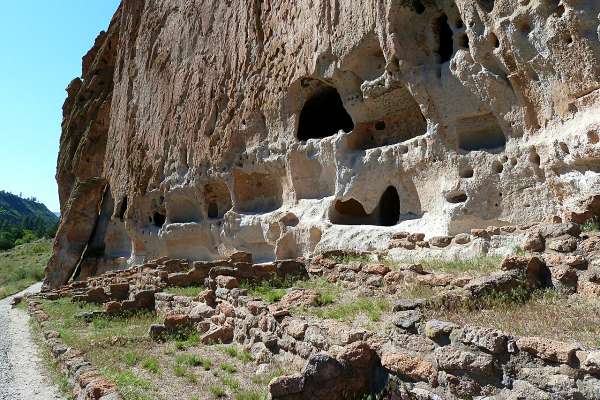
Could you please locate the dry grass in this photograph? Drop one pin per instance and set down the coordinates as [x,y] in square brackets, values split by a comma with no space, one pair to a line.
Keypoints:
[146,370]
[546,313]
[471,266]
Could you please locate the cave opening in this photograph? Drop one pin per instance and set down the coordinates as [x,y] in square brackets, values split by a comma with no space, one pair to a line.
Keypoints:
[481,132]
[389,207]
[213,210]
[159,219]
[122,209]
[323,115]
[352,212]
[445,38]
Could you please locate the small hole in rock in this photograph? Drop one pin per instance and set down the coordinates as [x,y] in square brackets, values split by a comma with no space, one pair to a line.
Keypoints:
[564,147]
[456,197]
[466,172]
[418,6]
[380,125]
[593,137]
[464,41]
[498,167]
[560,10]
[495,40]
[534,158]
[213,210]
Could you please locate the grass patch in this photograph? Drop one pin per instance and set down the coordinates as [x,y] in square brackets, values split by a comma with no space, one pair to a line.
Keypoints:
[545,313]
[269,291]
[251,394]
[190,291]
[229,368]
[328,292]
[97,339]
[467,266]
[372,308]
[234,351]
[151,364]
[591,225]
[23,266]
[231,383]
[217,391]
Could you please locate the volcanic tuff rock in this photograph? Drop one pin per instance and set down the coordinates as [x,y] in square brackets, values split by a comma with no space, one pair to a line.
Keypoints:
[287,128]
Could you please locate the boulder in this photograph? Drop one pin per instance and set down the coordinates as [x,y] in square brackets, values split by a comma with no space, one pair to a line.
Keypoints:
[547,349]
[409,367]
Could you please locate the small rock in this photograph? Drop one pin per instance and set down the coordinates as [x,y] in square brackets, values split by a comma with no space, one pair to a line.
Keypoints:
[563,244]
[286,385]
[462,238]
[407,319]
[175,321]
[377,269]
[592,362]
[534,243]
[157,331]
[547,349]
[408,304]
[201,311]
[218,334]
[435,329]
[227,282]
[410,367]
[440,241]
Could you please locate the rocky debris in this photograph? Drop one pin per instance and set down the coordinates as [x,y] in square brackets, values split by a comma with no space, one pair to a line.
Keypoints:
[353,373]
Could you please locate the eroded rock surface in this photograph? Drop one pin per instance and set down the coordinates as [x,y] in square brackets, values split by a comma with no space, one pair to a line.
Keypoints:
[285,129]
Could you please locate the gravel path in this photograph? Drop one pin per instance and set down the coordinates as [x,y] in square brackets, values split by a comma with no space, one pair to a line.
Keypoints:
[20,368]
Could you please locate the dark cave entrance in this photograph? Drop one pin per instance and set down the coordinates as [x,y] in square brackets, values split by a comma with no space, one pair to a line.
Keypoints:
[389,207]
[352,212]
[159,219]
[213,210]
[445,38]
[323,115]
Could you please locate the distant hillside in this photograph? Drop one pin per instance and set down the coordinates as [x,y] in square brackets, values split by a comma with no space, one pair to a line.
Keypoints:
[24,220]
[15,210]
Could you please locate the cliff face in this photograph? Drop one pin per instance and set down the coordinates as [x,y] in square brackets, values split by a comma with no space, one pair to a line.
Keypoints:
[287,128]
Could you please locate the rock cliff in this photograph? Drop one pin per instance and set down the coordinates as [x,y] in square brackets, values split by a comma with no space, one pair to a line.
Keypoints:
[200,128]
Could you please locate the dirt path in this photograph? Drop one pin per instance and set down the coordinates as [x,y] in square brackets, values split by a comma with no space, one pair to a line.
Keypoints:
[21,371]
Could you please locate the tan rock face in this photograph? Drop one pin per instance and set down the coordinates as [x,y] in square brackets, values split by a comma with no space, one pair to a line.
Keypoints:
[284,129]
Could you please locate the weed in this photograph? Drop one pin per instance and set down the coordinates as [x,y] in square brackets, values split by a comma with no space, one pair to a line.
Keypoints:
[231,382]
[373,308]
[180,370]
[229,368]
[252,394]
[217,391]
[151,364]
[591,225]
[234,352]
[461,266]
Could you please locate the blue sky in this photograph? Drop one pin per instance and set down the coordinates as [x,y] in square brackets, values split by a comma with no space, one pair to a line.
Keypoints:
[41,43]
